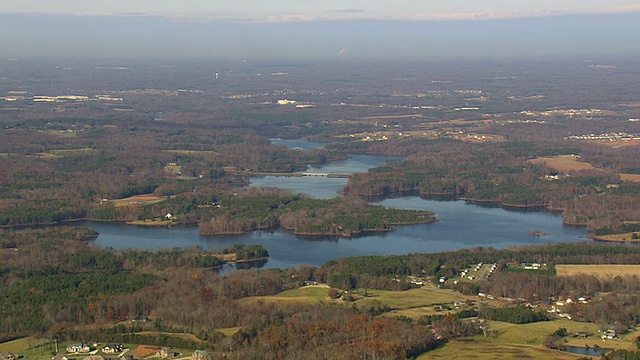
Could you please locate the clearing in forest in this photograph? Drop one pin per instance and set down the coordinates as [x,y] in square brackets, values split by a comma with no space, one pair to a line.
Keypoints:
[599,271]
[563,163]
[512,341]
[630,177]
[144,199]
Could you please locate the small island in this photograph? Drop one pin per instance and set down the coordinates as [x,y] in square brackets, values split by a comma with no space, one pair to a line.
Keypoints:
[538,233]
[343,217]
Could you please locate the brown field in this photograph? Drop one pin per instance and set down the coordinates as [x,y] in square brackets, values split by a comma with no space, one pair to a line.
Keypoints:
[184,336]
[191,152]
[621,143]
[624,237]
[417,313]
[563,163]
[630,177]
[151,223]
[144,351]
[145,199]
[392,116]
[599,271]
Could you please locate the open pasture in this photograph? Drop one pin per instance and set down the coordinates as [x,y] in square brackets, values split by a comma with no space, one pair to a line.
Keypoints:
[144,199]
[599,271]
[413,298]
[563,163]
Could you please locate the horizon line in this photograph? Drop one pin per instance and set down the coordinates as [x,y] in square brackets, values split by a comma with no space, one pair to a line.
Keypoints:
[337,16]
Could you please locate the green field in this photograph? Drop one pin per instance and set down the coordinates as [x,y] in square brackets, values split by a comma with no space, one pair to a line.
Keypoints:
[28,347]
[315,293]
[511,341]
[478,348]
[306,295]
[414,298]
[229,331]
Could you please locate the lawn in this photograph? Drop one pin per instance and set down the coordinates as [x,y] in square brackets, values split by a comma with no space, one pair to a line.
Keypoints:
[28,347]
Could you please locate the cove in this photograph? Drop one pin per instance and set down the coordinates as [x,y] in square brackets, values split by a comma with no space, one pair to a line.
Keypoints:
[319,187]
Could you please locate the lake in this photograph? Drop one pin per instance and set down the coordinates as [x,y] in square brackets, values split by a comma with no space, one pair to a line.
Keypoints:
[461,225]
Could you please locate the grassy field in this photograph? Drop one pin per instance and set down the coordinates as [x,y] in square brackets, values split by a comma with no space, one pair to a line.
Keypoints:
[151,222]
[477,348]
[624,237]
[184,336]
[306,294]
[229,331]
[71,151]
[30,348]
[563,163]
[144,199]
[511,341]
[21,346]
[410,301]
[413,299]
[599,271]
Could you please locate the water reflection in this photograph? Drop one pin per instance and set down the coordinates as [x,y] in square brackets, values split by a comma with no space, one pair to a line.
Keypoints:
[461,225]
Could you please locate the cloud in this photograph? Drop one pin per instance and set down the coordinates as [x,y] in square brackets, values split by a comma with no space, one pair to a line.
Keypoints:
[622,9]
[348,14]
[347,11]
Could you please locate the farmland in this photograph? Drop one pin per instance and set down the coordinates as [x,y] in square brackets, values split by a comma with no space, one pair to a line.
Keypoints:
[512,341]
[599,271]
[563,163]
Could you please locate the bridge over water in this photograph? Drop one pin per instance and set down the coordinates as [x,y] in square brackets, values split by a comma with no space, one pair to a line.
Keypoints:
[304,174]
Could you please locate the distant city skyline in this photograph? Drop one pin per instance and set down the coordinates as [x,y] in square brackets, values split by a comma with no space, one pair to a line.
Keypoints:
[312,10]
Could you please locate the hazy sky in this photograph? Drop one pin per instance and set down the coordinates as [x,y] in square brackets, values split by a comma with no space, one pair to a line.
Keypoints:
[284,29]
[305,10]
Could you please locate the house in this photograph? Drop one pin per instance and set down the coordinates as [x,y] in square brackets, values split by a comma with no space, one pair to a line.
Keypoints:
[8,356]
[125,357]
[60,356]
[78,348]
[584,299]
[112,348]
[609,335]
[165,353]
[199,355]
[141,318]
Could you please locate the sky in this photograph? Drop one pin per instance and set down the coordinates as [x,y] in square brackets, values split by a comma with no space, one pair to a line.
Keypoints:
[319,29]
[314,10]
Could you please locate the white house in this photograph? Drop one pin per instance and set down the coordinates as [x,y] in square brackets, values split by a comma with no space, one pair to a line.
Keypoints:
[78,348]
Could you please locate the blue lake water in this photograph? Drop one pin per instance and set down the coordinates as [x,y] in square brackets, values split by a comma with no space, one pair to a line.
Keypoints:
[320,187]
[586,351]
[461,225]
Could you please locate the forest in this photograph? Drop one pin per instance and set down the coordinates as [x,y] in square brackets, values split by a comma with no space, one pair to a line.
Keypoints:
[170,147]
[55,281]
